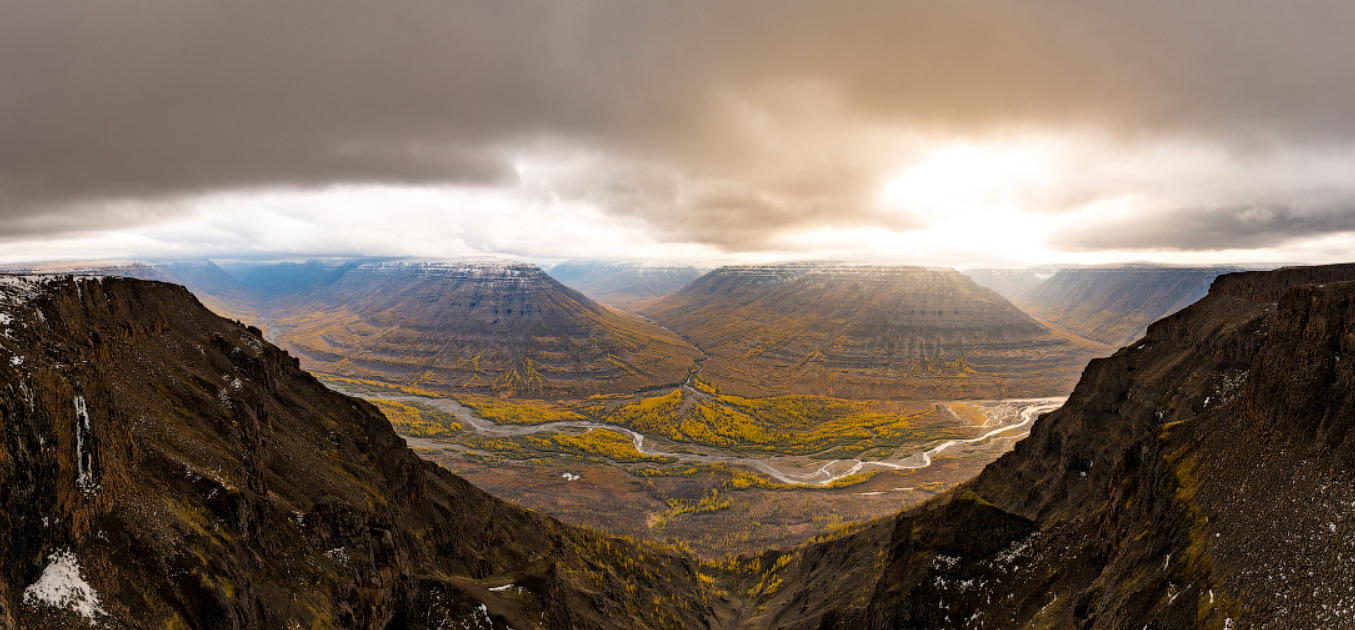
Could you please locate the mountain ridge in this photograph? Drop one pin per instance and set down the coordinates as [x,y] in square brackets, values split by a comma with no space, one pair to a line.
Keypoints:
[866,331]
[485,326]
[163,467]
[1115,304]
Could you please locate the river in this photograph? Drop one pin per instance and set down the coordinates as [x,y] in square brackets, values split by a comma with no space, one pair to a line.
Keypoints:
[1004,416]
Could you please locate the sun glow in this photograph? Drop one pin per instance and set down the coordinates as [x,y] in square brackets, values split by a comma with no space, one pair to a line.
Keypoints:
[969,176]
[977,196]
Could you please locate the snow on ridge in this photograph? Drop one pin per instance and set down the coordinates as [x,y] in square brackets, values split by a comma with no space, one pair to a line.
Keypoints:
[20,289]
[61,586]
[466,267]
[792,271]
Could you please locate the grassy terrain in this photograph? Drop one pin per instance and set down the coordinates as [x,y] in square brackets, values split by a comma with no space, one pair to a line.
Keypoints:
[507,411]
[596,445]
[790,425]
[418,419]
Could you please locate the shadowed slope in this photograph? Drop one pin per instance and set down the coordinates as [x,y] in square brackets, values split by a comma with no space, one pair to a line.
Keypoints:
[195,477]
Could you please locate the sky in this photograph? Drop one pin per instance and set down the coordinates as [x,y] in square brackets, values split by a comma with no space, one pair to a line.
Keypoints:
[965,133]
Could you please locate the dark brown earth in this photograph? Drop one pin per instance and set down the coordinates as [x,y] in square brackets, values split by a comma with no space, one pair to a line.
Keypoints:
[202,480]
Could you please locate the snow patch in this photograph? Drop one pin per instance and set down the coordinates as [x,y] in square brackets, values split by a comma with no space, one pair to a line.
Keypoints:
[84,462]
[16,361]
[61,586]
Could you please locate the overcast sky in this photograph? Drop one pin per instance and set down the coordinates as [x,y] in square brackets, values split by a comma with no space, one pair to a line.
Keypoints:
[963,133]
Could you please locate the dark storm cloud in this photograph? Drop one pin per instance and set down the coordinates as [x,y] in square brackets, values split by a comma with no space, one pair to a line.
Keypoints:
[1209,229]
[746,117]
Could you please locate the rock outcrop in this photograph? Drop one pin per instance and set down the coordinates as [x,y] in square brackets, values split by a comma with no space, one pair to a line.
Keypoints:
[161,467]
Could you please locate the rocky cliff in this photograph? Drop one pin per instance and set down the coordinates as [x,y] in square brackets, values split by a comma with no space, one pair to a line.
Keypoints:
[865,331]
[161,467]
[1203,477]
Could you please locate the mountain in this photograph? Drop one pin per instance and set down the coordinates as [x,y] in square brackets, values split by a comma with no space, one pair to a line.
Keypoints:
[217,289]
[161,467]
[866,331]
[292,278]
[476,325]
[1203,477]
[1114,305]
[623,284]
[1010,283]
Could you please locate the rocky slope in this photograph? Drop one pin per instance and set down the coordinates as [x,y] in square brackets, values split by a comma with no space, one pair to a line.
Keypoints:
[161,467]
[1114,305]
[623,284]
[861,331]
[480,325]
[1203,477]
[218,290]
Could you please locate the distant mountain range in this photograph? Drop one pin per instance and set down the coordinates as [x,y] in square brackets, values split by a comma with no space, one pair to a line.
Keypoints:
[476,325]
[867,331]
[623,284]
[1115,304]
[1010,283]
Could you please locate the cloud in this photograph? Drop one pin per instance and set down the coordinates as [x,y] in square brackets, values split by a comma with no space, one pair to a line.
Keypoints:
[727,127]
[1247,227]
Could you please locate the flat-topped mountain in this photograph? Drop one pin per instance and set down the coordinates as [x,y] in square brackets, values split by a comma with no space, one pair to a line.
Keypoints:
[867,331]
[1115,304]
[1200,478]
[622,284]
[478,325]
[161,467]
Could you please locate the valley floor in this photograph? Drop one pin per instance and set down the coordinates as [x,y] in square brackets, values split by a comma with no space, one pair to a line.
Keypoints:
[712,500]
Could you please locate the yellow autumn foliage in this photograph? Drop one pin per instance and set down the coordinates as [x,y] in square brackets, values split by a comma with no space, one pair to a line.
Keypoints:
[418,420]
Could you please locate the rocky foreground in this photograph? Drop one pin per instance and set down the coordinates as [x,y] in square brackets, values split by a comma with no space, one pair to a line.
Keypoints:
[162,467]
